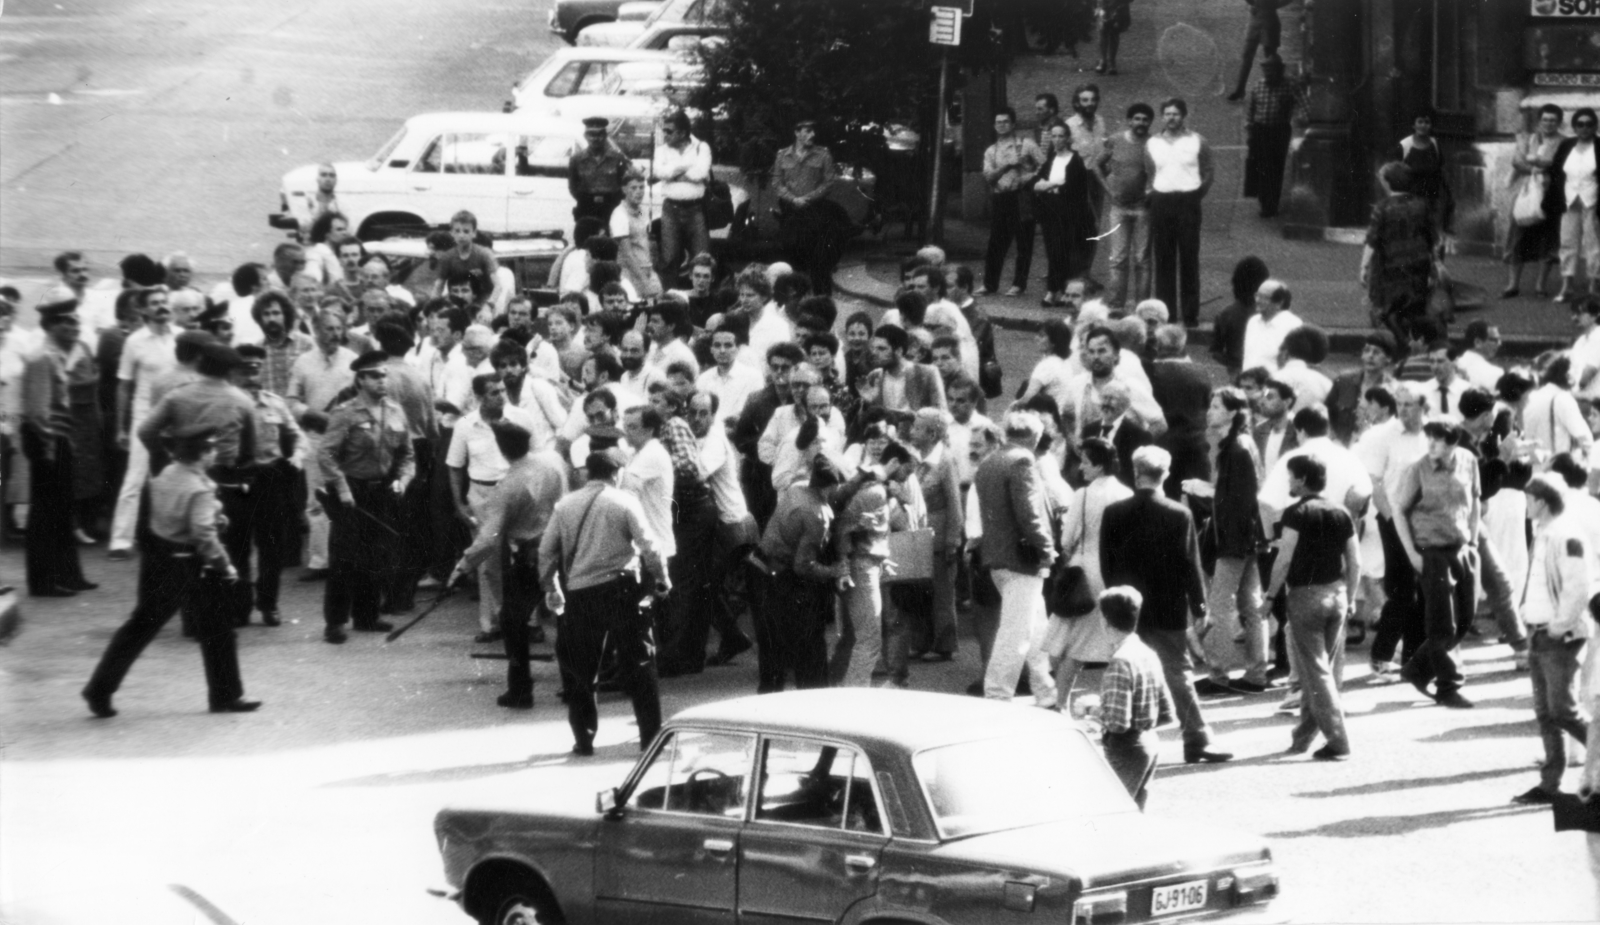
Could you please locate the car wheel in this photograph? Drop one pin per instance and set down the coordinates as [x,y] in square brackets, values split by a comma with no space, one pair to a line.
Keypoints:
[524,904]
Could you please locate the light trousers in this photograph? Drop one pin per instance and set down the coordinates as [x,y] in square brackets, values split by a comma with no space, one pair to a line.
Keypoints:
[490,575]
[1130,243]
[860,643]
[317,537]
[1580,235]
[1235,604]
[1019,640]
[125,519]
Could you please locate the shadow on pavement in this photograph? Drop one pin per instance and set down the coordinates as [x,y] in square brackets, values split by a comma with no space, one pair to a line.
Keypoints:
[1367,826]
[1520,729]
[1412,783]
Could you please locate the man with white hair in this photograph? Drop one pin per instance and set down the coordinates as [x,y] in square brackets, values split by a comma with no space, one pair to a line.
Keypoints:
[1148,542]
[182,294]
[375,275]
[1018,547]
[1266,329]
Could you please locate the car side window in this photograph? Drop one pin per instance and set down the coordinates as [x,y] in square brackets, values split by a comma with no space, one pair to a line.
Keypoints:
[565,83]
[594,77]
[545,156]
[817,784]
[702,773]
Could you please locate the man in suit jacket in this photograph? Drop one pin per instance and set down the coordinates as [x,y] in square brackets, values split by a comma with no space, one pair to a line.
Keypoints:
[1573,194]
[1274,431]
[1183,391]
[1148,542]
[1018,547]
[898,383]
[1123,432]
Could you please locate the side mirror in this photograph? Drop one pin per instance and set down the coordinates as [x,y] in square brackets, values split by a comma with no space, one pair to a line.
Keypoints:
[606,801]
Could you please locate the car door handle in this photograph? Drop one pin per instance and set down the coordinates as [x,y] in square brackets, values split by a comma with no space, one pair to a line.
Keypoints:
[719,845]
[523,192]
[860,861]
[422,189]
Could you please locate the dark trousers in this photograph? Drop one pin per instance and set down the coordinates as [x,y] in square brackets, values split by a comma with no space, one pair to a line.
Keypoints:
[811,242]
[790,633]
[1175,251]
[1449,597]
[595,617]
[1006,225]
[1132,755]
[517,602]
[1268,153]
[416,526]
[596,205]
[361,554]
[271,522]
[51,553]
[169,577]
[1401,622]
[691,569]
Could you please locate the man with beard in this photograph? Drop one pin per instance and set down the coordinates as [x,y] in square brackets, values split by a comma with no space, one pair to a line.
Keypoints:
[269,523]
[1102,355]
[315,381]
[897,383]
[782,359]
[1089,134]
[632,351]
[283,343]
[1180,166]
[537,396]
[1121,165]
[367,462]
[147,354]
[802,174]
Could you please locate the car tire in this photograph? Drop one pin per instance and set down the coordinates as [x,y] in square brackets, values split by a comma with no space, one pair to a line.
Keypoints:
[523,902]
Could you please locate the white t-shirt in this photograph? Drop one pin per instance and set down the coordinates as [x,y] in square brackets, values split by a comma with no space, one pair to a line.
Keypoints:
[145,356]
[719,459]
[1053,376]
[732,390]
[472,445]
[1585,355]
[1346,472]
[1262,338]
[771,328]
[650,477]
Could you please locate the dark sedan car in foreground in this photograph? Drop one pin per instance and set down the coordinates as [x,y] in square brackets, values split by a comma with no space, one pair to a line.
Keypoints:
[855,806]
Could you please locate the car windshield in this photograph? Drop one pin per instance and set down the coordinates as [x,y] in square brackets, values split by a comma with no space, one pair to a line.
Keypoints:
[1008,783]
[674,11]
[382,156]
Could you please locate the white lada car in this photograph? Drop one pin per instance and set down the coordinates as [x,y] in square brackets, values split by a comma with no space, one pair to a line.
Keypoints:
[508,169]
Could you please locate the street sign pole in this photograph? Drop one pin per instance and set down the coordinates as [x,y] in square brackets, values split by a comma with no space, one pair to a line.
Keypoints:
[945,31]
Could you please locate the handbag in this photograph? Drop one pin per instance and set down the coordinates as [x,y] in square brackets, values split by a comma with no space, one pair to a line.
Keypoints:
[1571,812]
[1067,593]
[1528,208]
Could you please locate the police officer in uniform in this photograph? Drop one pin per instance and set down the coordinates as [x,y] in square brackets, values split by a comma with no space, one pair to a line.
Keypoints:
[367,461]
[184,564]
[515,515]
[595,540]
[269,515]
[595,172]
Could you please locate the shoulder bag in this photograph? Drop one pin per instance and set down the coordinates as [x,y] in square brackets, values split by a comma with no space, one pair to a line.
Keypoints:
[1067,592]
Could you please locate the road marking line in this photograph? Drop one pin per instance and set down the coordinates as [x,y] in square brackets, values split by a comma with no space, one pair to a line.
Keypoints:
[206,906]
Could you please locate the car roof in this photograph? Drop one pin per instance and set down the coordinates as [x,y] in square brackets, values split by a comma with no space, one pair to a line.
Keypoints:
[605,106]
[912,720]
[606,53]
[486,121]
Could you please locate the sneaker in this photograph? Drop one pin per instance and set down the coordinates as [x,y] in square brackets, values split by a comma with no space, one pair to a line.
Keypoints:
[1291,704]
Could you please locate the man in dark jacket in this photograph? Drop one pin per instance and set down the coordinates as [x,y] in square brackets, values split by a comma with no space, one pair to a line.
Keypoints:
[1148,542]
[1183,390]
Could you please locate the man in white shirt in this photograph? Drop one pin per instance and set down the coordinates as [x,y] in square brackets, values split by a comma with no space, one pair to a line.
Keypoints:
[1476,363]
[470,358]
[537,397]
[1266,329]
[1388,449]
[965,419]
[146,354]
[1102,356]
[1178,161]
[315,379]
[665,324]
[630,228]
[649,475]
[730,381]
[780,443]
[636,375]
[600,373]
[1551,418]
[1585,350]
[768,326]
[736,528]
[1444,391]
[1348,483]
[476,466]
[1301,347]
[682,166]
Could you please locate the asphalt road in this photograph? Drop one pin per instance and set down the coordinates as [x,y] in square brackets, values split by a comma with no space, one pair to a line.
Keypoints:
[172,128]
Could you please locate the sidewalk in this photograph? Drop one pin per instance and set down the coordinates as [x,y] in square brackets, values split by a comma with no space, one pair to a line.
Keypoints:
[1190,48]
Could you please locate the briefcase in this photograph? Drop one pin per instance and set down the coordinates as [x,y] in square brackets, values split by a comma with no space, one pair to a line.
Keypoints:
[911,552]
[1571,813]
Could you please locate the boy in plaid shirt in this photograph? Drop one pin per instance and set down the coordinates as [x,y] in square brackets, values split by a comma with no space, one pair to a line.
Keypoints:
[1134,698]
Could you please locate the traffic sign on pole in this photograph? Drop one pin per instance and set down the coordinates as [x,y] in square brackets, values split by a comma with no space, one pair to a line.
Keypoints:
[945,29]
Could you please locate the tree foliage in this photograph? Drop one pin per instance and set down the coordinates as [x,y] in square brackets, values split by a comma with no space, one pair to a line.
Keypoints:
[852,65]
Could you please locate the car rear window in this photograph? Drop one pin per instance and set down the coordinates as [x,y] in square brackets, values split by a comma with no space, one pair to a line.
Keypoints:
[1004,783]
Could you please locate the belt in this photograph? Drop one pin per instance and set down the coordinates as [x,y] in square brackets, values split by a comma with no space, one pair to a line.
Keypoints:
[485,482]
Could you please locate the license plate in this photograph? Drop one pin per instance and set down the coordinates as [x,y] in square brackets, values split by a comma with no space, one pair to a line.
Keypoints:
[1181,897]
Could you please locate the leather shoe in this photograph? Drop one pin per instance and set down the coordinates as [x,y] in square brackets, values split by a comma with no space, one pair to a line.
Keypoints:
[490,636]
[583,750]
[1248,687]
[270,618]
[1454,701]
[99,705]
[1538,796]
[1202,753]
[515,701]
[1206,687]
[376,626]
[314,574]
[1328,753]
[54,591]
[334,634]
[83,585]
[236,706]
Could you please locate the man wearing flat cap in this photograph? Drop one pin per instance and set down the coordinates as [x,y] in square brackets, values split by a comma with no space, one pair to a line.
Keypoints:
[47,426]
[589,565]
[1438,515]
[184,565]
[595,173]
[367,463]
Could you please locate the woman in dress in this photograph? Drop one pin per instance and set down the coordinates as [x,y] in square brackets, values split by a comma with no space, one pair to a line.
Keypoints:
[1234,532]
[1399,267]
[1537,243]
[1061,201]
[1074,641]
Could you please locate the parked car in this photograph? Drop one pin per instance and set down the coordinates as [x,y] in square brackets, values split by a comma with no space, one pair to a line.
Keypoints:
[526,258]
[857,806]
[509,169]
[627,33]
[569,17]
[573,72]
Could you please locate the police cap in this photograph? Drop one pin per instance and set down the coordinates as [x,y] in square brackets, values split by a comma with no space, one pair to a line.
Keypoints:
[372,359]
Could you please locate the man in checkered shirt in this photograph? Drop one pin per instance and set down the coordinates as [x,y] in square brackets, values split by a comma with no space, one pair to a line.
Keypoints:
[1134,698]
[1270,111]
